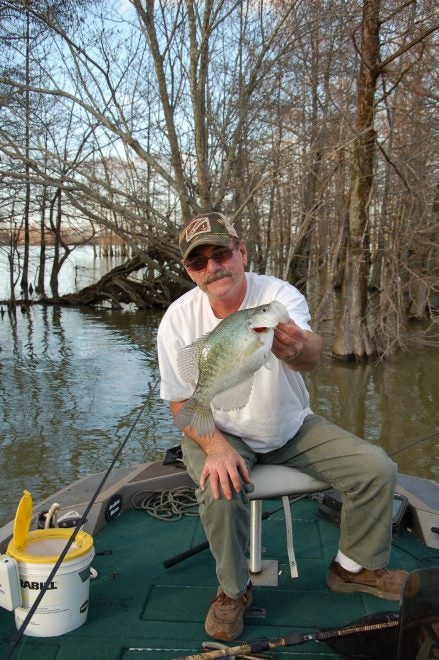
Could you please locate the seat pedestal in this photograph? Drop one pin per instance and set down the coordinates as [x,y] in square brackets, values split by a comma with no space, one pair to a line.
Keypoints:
[275,481]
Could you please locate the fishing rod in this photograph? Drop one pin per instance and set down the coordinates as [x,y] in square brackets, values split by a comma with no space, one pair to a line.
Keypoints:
[368,624]
[407,633]
[81,522]
[416,442]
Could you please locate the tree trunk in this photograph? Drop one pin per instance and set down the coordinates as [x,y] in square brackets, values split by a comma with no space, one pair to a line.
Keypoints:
[299,265]
[25,274]
[41,286]
[56,229]
[354,337]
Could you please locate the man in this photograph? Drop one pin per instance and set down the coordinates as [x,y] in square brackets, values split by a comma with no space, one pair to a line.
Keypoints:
[276,426]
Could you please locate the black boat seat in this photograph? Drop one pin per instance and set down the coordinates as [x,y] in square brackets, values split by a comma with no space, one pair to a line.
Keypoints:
[275,481]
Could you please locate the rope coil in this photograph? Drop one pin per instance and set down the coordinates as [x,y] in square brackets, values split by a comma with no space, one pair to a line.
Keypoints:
[168,505]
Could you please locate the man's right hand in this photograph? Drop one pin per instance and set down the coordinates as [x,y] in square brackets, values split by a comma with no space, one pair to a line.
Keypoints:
[224,467]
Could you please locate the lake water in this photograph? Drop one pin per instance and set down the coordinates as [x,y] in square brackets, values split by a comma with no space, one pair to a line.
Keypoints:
[81,269]
[72,382]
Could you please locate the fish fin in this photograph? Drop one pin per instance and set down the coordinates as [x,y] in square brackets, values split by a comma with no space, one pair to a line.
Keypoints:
[234,397]
[187,360]
[199,419]
[270,362]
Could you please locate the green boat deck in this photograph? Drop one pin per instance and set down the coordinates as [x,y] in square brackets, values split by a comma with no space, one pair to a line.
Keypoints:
[140,609]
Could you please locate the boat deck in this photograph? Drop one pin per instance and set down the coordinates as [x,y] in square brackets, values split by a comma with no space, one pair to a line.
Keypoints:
[140,609]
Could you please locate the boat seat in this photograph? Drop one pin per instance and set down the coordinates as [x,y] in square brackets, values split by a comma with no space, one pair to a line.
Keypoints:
[275,481]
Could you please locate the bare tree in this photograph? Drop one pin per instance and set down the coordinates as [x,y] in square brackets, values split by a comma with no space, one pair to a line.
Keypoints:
[249,108]
[356,337]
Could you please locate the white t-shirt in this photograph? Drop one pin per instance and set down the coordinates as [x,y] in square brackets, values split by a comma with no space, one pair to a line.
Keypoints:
[279,400]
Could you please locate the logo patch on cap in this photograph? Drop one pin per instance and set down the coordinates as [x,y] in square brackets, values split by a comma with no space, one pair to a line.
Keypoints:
[198,226]
[230,228]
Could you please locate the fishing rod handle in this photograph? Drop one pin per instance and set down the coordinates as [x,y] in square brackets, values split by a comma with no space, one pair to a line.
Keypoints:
[184,555]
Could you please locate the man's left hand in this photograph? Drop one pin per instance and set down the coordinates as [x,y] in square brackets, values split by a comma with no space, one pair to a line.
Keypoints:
[298,348]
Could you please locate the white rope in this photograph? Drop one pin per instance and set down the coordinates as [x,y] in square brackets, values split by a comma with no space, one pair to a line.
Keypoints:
[167,505]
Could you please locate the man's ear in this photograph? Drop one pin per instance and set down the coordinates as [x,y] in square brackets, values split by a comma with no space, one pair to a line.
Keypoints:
[189,272]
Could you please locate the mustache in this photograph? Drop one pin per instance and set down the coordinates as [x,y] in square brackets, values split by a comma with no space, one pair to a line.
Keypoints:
[217,275]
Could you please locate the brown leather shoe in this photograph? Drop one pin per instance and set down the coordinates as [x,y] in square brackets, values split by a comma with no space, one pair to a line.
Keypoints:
[380,582]
[225,618]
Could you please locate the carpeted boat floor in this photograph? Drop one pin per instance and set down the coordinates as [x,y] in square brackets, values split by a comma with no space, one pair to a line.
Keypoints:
[139,609]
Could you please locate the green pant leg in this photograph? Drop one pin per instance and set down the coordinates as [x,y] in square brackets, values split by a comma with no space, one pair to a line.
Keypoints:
[365,477]
[225,522]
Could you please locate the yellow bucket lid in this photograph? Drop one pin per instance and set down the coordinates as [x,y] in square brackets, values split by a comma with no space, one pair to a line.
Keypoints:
[23,540]
[22,520]
[44,546]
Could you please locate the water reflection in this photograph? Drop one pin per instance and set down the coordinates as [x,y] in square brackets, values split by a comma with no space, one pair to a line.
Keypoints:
[71,385]
[73,381]
[392,404]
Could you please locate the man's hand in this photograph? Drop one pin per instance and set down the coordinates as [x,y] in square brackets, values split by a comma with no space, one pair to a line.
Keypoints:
[224,466]
[298,348]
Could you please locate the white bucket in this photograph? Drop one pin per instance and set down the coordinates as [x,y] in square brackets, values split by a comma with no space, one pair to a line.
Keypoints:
[64,605]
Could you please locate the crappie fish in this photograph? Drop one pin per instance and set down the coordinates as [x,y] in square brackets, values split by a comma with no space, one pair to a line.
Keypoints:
[222,363]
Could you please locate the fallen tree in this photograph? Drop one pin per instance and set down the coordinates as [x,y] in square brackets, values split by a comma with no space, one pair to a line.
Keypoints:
[161,282]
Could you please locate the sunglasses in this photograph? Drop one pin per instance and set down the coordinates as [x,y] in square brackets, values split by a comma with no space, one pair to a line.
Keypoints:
[220,256]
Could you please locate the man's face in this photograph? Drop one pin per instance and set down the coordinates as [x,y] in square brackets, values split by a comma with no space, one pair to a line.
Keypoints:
[217,270]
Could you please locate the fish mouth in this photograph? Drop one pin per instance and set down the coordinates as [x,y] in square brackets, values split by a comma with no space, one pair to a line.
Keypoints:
[259,330]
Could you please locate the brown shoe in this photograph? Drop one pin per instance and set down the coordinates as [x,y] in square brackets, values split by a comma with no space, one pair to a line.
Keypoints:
[379,582]
[225,619]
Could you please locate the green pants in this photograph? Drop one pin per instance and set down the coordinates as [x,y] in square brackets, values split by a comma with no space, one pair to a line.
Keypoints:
[362,472]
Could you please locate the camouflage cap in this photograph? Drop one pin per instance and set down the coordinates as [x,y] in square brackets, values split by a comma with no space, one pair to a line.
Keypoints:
[205,229]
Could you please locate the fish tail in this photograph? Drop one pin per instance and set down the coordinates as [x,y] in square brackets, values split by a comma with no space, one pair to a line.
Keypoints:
[196,417]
